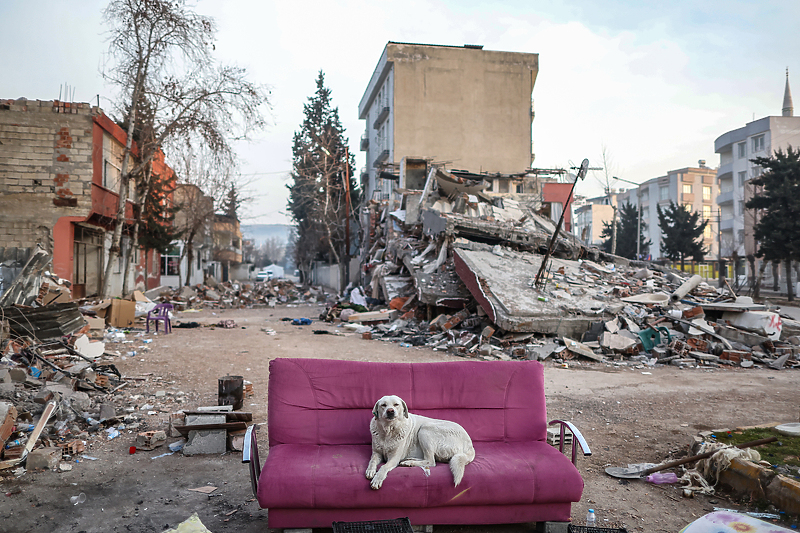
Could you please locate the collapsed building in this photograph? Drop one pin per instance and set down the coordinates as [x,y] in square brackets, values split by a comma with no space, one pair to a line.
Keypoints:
[458,265]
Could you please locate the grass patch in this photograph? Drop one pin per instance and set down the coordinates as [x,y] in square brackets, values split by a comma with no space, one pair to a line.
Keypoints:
[784,451]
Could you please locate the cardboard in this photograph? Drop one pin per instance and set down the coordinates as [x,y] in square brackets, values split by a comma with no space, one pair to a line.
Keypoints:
[121,313]
[97,326]
[137,296]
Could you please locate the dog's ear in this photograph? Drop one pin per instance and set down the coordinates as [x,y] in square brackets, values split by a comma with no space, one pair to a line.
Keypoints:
[405,408]
[375,409]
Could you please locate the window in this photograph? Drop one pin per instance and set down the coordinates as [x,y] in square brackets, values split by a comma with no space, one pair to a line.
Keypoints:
[706,212]
[169,261]
[502,186]
[706,193]
[645,195]
[742,178]
[740,235]
[663,193]
[111,175]
[645,213]
[758,143]
[707,231]
[757,171]
[519,188]
[687,188]
[742,150]
[490,187]
[741,206]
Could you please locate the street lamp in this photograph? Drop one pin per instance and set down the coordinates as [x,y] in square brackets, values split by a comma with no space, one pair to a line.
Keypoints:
[638,218]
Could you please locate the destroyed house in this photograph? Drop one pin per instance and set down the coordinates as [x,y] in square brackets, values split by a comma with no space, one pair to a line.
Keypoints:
[60,170]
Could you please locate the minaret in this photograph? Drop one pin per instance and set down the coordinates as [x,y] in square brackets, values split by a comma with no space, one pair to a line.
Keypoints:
[788,109]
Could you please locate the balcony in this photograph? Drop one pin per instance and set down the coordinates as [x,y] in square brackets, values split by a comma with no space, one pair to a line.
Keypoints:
[381,117]
[725,198]
[364,142]
[105,203]
[727,168]
[726,224]
[383,156]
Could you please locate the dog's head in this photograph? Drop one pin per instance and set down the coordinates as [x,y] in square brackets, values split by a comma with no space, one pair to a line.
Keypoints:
[389,408]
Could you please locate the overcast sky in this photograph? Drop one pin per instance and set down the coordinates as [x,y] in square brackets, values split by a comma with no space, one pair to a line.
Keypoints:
[653,82]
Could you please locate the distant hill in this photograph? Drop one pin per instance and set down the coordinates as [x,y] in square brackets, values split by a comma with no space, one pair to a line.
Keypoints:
[261,232]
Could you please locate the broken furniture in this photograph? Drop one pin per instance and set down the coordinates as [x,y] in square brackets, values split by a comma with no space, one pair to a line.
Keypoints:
[320,444]
[160,313]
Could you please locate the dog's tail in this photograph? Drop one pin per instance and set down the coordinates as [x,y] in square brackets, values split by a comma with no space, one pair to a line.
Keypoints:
[457,464]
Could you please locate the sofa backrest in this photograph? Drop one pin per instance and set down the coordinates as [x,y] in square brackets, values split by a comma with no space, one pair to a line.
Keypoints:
[328,401]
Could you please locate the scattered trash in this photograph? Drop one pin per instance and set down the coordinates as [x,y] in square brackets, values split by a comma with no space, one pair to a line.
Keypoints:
[301,322]
[80,498]
[206,489]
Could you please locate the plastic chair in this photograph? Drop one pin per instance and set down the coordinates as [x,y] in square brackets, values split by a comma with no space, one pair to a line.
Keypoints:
[160,313]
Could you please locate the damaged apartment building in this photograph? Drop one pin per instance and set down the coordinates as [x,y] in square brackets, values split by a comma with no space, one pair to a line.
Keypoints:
[60,169]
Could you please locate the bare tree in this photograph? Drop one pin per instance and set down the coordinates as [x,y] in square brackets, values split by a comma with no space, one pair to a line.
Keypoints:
[272,251]
[162,54]
[606,181]
[205,179]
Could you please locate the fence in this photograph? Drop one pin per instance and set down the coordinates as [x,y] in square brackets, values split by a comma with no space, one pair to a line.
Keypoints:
[706,269]
[328,275]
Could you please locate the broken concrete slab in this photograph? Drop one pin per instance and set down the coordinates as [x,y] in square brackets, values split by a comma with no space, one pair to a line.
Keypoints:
[617,343]
[206,442]
[578,348]
[501,288]
[764,323]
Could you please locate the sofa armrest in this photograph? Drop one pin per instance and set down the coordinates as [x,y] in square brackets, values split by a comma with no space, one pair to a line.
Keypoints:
[250,455]
[576,437]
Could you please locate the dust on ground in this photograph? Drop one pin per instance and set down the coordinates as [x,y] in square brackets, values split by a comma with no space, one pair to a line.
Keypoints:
[627,415]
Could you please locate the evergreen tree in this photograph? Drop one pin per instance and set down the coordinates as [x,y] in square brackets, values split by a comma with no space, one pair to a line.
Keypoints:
[317,198]
[232,203]
[626,233]
[156,229]
[682,233]
[778,201]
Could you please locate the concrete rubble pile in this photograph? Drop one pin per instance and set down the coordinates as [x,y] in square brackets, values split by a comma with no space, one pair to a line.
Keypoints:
[456,268]
[235,294]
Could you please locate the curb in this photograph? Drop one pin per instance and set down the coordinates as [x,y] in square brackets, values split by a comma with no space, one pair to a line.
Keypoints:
[748,479]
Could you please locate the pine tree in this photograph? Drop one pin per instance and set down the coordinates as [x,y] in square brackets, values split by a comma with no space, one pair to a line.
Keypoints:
[682,233]
[317,198]
[626,233]
[156,230]
[778,199]
[232,203]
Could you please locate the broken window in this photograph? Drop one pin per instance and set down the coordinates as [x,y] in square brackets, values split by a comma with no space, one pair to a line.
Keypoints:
[503,186]
[87,261]
[170,261]
[519,188]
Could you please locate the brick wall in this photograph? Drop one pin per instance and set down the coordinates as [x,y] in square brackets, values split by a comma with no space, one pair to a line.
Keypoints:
[45,168]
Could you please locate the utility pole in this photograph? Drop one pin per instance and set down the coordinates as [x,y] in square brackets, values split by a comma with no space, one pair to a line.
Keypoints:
[347,215]
[721,282]
[539,280]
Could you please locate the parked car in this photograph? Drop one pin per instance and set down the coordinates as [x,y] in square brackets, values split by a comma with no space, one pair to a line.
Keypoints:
[263,275]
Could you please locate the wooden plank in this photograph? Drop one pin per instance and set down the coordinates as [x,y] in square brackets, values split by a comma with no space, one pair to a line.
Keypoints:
[231,416]
[184,430]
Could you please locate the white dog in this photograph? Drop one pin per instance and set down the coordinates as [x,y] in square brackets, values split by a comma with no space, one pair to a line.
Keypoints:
[404,439]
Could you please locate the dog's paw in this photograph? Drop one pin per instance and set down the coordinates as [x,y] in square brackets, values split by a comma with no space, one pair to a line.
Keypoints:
[376,483]
[406,462]
[370,473]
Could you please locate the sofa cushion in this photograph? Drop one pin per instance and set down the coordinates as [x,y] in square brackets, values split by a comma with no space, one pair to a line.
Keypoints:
[329,402]
[303,476]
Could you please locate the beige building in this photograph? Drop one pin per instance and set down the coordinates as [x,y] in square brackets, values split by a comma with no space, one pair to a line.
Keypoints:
[461,105]
[693,187]
[590,217]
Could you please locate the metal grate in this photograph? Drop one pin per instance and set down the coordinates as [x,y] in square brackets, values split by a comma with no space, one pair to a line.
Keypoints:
[587,529]
[398,525]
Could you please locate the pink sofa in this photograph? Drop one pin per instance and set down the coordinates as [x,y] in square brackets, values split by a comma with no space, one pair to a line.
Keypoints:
[319,445]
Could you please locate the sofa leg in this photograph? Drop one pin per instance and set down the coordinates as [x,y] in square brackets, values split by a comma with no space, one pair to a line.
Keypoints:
[300,530]
[552,527]
[423,529]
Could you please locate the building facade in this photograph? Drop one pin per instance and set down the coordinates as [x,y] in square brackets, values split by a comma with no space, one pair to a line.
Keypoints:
[465,107]
[590,217]
[695,188]
[736,148]
[60,169]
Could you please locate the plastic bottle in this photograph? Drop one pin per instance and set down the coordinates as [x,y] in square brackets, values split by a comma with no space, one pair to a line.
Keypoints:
[590,518]
[660,478]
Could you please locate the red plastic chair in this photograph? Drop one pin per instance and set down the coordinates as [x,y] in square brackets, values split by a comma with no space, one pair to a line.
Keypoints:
[160,313]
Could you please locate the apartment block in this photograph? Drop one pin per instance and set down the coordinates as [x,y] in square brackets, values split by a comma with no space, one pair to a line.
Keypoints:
[463,107]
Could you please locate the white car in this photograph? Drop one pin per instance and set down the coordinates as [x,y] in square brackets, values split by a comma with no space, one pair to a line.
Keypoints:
[263,275]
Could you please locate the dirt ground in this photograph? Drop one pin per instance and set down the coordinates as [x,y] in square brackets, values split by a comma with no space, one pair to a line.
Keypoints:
[627,416]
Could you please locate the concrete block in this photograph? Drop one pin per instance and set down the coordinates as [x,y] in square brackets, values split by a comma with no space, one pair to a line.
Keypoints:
[192,420]
[17,374]
[784,493]
[44,458]
[7,388]
[4,376]
[107,412]
[206,442]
